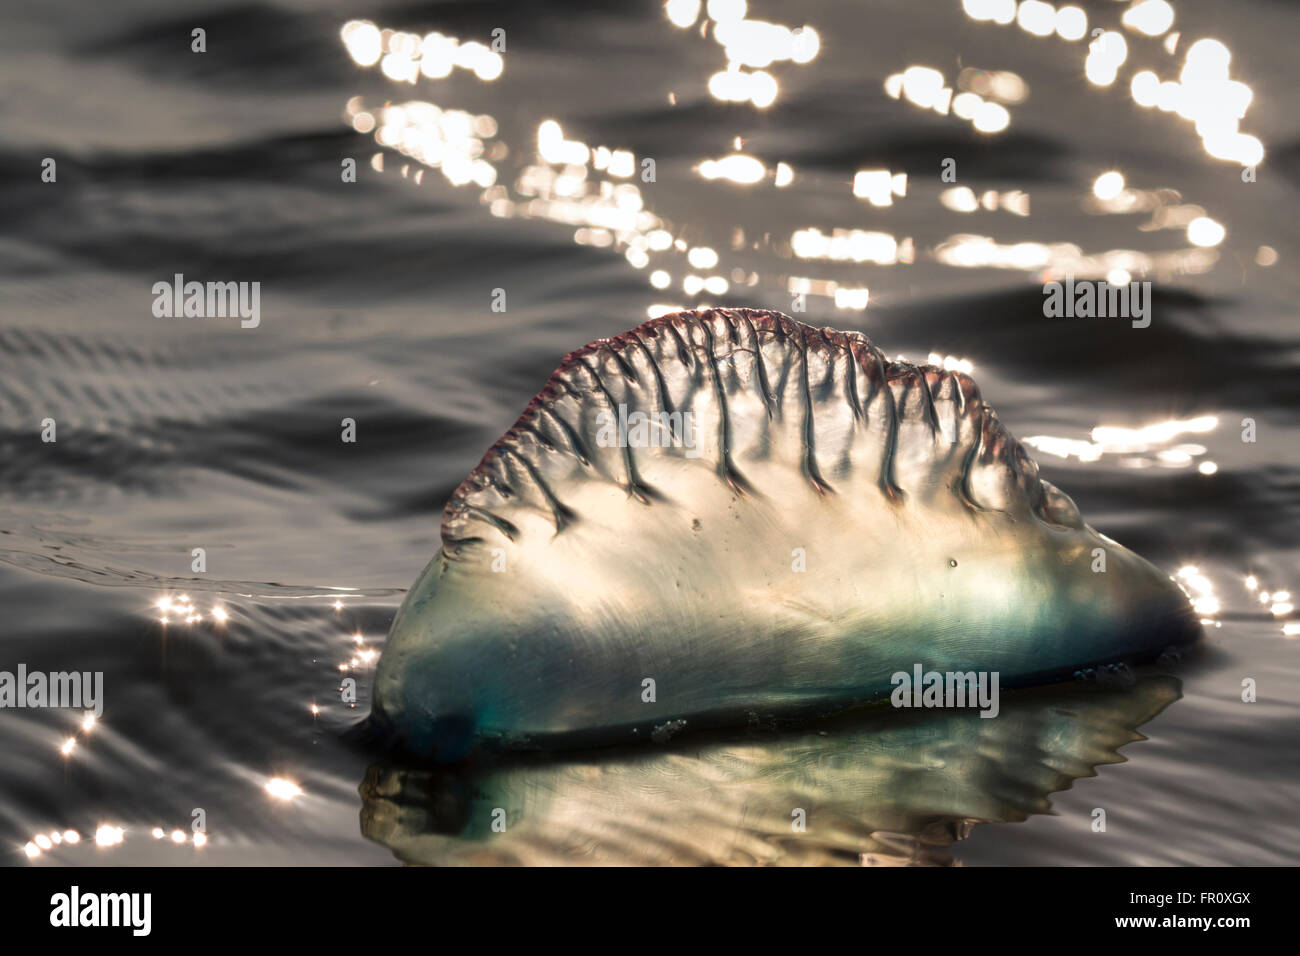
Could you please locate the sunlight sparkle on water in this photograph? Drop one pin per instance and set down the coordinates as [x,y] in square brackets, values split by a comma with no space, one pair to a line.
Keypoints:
[1204,93]
[1106,55]
[1201,590]
[405,57]
[1204,231]
[996,11]
[449,140]
[1149,445]
[845,245]
[657,309]
[951,363]
[738,168]
[282,789]
[926,88]
[991,118]
[572,183]
[1278,603]
[959,199]
[1036,17]
[682,13]
[1152,17]
[877,186]
[1071,23]
[1108,185]
[853,299]
[749,47]
[1001,85]
[702,257]
[1207,96]
[109,835]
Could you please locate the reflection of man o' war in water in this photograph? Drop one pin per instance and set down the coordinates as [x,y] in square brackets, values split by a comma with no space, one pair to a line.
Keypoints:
[868,786]
[841,516]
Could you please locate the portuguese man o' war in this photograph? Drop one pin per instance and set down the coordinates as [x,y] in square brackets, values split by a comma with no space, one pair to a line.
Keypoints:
[727,513]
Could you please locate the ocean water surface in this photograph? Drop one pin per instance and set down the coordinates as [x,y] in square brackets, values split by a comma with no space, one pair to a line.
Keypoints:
[914,171]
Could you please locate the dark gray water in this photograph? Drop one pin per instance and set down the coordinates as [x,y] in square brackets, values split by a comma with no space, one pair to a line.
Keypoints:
[377,306]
